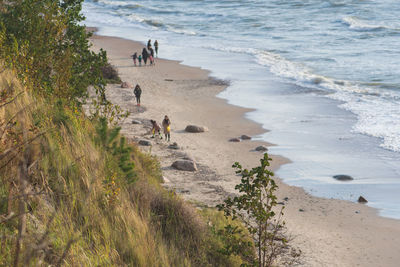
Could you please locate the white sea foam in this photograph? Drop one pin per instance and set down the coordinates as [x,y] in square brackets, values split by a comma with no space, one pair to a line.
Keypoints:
[359,24]
[180,31]
[119,3]
[377,116]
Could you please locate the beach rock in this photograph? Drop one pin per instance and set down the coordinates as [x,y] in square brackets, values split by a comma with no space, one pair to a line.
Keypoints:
[136,122]
[261,148]
[343,177]
[144,143]
[174,145]
[126,85]
[245,137]
[301,210]
[234,140]
[361,199]
[286,199]
[185,165]
[280,203]
[196,129]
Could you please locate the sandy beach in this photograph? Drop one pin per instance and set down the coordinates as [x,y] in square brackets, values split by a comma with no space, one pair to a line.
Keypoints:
[329,232]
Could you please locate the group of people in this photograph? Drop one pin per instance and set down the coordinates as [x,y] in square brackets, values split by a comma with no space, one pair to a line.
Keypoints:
[166,125]
[156,129]
[147,53]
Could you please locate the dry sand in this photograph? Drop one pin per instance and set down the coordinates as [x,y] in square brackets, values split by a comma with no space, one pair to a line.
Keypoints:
[329,232]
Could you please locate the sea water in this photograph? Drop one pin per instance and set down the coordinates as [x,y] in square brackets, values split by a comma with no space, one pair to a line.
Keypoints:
[322,75]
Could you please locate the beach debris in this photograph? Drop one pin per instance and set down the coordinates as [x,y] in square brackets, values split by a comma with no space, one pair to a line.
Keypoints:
[168,80]
[357,211]
[245,137]
[182,191]
[196,129]
[301,210]
[144,143]
[280,203]
[361,199]
[343,177]
[174,145]
[126,85]
[185,165]
[234,140]
[165,179]
[261,148]
[286,199]
[136,122]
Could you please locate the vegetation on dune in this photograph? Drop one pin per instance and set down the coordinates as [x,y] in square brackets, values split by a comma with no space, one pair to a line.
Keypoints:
[74,191]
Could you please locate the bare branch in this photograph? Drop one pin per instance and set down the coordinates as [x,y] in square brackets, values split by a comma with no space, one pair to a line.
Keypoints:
[12,100]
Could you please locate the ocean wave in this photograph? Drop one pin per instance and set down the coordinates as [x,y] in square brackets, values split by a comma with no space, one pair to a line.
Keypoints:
[376,104]
[150,22]
[377,116]
[180,31]
[359,24]
[126,4]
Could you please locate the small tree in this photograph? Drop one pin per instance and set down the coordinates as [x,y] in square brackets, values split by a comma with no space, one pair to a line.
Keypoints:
[255,206]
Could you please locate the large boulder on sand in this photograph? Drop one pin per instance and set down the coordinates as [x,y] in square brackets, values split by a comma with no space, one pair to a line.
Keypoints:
[144,143]
[196,129]
[261,148]
[343,177]
[362,200]
[245,137]
[126,85]
[174,145]
[136,122]
[185,165]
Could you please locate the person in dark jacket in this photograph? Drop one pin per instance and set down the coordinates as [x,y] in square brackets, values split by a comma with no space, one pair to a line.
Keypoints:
[138,93]
[156,47]
[134,57]
[145,55]
[149,44]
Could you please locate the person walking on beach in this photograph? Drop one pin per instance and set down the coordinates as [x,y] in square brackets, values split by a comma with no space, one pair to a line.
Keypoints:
[138,93]
[140,60]
[134,57]
[145,55]
[149,44]
[151,56]
[156,129]
[151,59]
[156,47]
[166,123]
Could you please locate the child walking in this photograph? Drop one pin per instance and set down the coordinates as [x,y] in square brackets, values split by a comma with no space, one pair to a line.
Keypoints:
[140,60]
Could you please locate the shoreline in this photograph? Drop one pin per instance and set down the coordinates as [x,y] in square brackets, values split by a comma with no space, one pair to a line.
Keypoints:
[342,234]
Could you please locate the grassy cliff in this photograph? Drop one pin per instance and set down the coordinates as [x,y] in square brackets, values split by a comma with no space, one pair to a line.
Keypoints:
[69,195]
